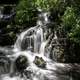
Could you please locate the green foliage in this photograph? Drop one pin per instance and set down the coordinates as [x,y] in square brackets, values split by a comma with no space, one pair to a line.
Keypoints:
[46,4]
[69,19]
[25,12]
[71,22]
[75,33]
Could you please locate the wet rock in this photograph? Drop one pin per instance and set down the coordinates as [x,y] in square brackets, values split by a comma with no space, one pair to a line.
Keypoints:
[4,65]
[57,54]
[27,43]
[39,61]
[28,74]
[21,63]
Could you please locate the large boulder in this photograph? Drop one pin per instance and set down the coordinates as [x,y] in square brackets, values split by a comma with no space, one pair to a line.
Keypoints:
[39,61]
[21,63]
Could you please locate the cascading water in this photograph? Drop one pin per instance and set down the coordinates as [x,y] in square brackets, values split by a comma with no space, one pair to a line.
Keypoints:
[31,44]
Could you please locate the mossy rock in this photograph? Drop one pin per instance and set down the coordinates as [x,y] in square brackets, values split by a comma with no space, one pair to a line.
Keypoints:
[39,61]
[21,63]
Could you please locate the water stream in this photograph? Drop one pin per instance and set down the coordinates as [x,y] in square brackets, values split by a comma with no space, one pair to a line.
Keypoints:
[32,44]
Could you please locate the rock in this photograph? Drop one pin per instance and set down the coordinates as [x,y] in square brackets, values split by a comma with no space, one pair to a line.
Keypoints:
[27,43]
[4,65]
[21,63]
[39,61]
[28,74]
[57,54]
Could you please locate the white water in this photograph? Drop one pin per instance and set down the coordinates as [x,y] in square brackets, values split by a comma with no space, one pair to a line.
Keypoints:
[31,43]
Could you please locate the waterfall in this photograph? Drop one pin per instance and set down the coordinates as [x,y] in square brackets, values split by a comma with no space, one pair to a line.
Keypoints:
[31,44]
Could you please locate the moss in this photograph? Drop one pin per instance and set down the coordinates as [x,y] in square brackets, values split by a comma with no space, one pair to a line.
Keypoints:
[21,63]
[40,62]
